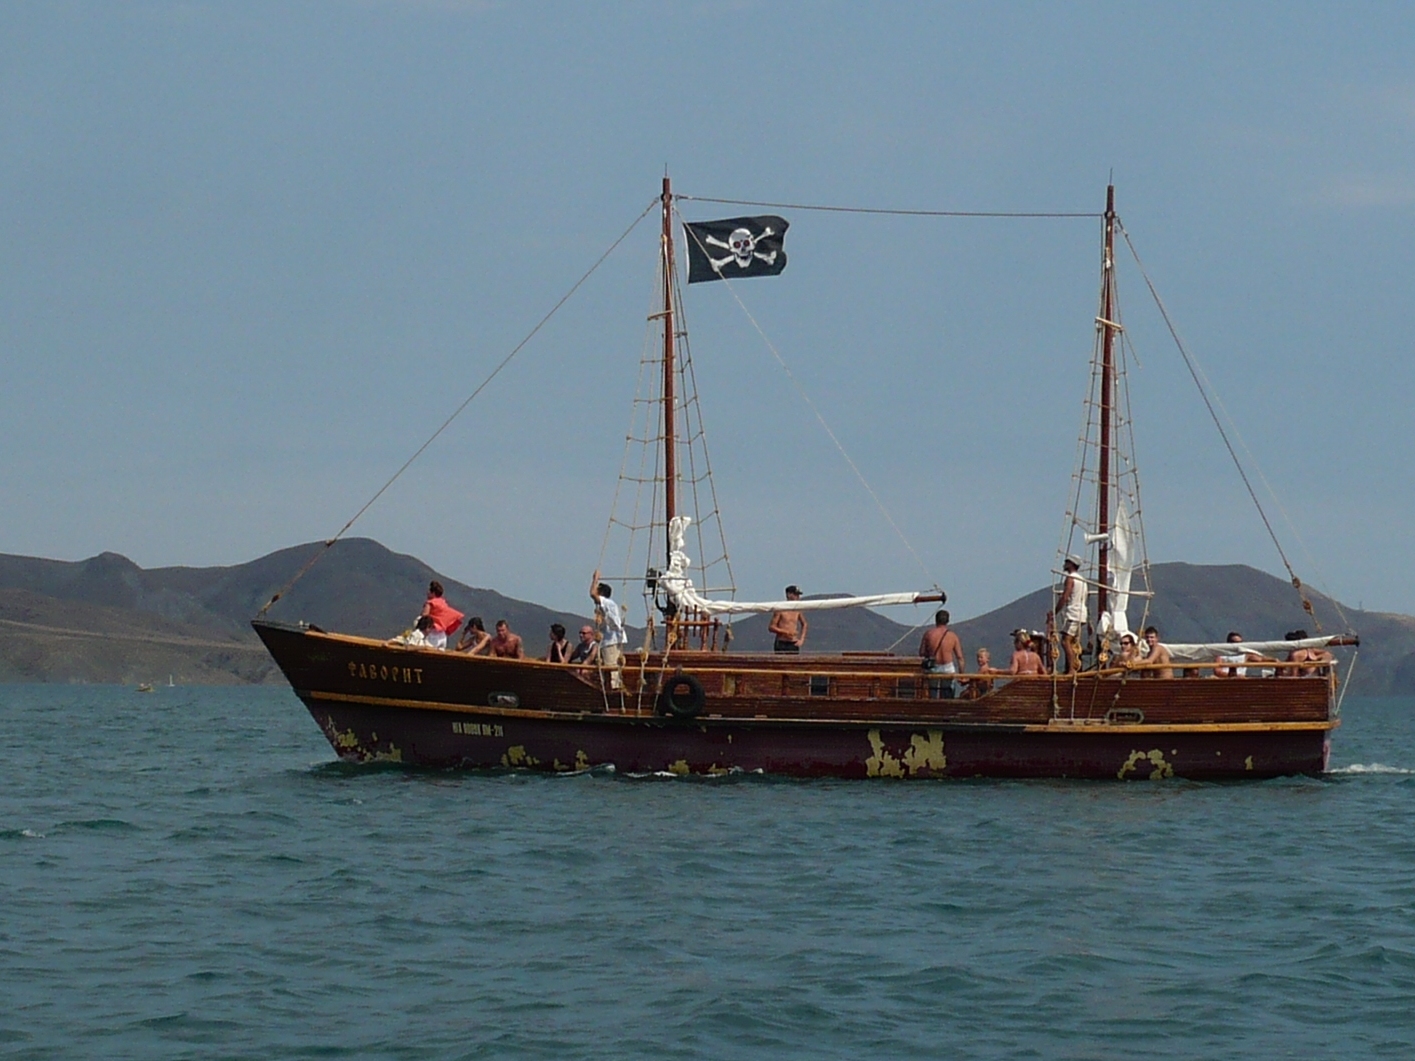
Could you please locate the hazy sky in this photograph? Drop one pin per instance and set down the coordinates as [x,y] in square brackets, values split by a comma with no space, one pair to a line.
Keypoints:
[250,254]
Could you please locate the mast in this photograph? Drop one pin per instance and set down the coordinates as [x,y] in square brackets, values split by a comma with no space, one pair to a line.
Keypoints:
[1107,324]
[670,439]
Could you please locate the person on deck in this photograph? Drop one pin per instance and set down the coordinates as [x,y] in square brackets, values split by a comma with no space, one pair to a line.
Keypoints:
[586,653]
[611,646]
[1306,656]
[789,626]
[942,653]
[1237,656]
[417,637]
[474,641]
[1025,659]
[559,649]
[940,648]
[445,618]
[1071,612]
[980,687]
[506,645]
[1158,657]
[1129,651]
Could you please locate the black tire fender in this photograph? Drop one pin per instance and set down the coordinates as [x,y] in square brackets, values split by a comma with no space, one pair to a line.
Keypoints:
[682,697]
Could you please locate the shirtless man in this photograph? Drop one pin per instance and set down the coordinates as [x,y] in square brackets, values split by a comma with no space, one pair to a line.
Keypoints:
[789,627]
[1158,657]
[1024,657]
[1071,614]
[506,645]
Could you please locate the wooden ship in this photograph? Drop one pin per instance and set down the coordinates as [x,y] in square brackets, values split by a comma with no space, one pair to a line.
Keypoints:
[686,704]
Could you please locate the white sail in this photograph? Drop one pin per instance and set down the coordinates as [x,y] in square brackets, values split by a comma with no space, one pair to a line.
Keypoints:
[1122,566]
[684,595]
[1203,653]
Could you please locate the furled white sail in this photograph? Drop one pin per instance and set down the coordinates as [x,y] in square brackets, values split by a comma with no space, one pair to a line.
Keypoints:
[1121,563]
[1202,653]
[684,595]
[1122,566]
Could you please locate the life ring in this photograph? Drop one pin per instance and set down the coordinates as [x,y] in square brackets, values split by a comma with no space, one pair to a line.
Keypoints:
[682,697]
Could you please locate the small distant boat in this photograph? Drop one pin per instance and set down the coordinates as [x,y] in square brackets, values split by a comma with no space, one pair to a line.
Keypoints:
[170,683]
[145,687]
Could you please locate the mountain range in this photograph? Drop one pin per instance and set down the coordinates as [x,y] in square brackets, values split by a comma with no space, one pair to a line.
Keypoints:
[105,619]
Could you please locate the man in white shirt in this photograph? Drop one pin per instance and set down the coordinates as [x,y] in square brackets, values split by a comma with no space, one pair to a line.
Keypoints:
[1071,611]
[612,640]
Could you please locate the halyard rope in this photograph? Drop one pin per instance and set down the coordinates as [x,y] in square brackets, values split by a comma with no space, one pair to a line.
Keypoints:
[456,412]
[807,399]
[1199,381]
[880,210]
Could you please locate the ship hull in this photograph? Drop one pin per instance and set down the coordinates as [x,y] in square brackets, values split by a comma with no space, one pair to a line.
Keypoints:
[376,702]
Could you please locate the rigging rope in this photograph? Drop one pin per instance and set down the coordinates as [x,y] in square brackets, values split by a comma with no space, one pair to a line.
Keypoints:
[1218,423]
[880,210]
[807,399]
[456,412]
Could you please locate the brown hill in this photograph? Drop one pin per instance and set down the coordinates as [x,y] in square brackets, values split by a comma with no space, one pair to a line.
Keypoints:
[105,619]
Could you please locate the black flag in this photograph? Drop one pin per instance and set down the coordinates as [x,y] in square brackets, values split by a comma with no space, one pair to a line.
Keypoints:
[736,247]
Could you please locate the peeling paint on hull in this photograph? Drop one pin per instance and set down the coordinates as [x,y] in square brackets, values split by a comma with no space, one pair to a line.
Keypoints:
[432,710]
[366,733]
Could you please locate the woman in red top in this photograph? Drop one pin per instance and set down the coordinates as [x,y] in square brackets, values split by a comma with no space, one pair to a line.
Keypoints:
[445,618]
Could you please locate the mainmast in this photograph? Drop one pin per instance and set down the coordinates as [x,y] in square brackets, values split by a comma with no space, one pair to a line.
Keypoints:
[670,438]
[1108,329]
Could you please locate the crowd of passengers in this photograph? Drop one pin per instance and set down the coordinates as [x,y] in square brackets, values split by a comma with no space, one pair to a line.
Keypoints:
[941,651]
[942,654]
[602,646]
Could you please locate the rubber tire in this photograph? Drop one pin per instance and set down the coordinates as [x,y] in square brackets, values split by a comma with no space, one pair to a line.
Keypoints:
[673,701]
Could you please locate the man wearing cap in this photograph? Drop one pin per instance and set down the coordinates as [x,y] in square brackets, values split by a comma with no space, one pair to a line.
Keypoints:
[789,627]
[1071,611]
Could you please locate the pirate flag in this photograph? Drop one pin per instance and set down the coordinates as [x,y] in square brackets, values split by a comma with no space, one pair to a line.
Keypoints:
[736,247]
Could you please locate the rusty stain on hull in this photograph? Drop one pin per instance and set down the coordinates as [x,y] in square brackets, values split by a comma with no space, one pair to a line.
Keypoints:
[455,713]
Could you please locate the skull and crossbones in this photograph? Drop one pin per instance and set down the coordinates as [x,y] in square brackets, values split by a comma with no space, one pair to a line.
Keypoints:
[742,246]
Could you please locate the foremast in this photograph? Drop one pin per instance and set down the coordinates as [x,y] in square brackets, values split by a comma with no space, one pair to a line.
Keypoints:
[666,474]
[1107,410]
[670,419]
[1105,509]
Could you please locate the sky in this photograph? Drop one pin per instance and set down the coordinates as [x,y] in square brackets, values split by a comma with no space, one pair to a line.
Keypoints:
[251,255]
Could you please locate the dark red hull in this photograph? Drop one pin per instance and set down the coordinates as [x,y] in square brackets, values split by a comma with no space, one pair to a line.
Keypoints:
[871,717]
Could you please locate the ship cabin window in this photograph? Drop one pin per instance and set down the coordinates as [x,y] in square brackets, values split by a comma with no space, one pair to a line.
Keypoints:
[905,689]
[820,685]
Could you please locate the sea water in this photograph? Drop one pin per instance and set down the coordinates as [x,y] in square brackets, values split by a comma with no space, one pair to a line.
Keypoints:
[189,873]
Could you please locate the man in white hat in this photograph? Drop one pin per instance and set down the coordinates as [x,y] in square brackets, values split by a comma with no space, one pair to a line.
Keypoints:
[1070,611]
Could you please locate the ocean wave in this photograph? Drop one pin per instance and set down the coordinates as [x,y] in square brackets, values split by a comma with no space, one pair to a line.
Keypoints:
[20,834]
[97,825]
[1370,768]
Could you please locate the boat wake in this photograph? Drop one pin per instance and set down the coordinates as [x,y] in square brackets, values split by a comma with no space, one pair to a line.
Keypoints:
[1370,768]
